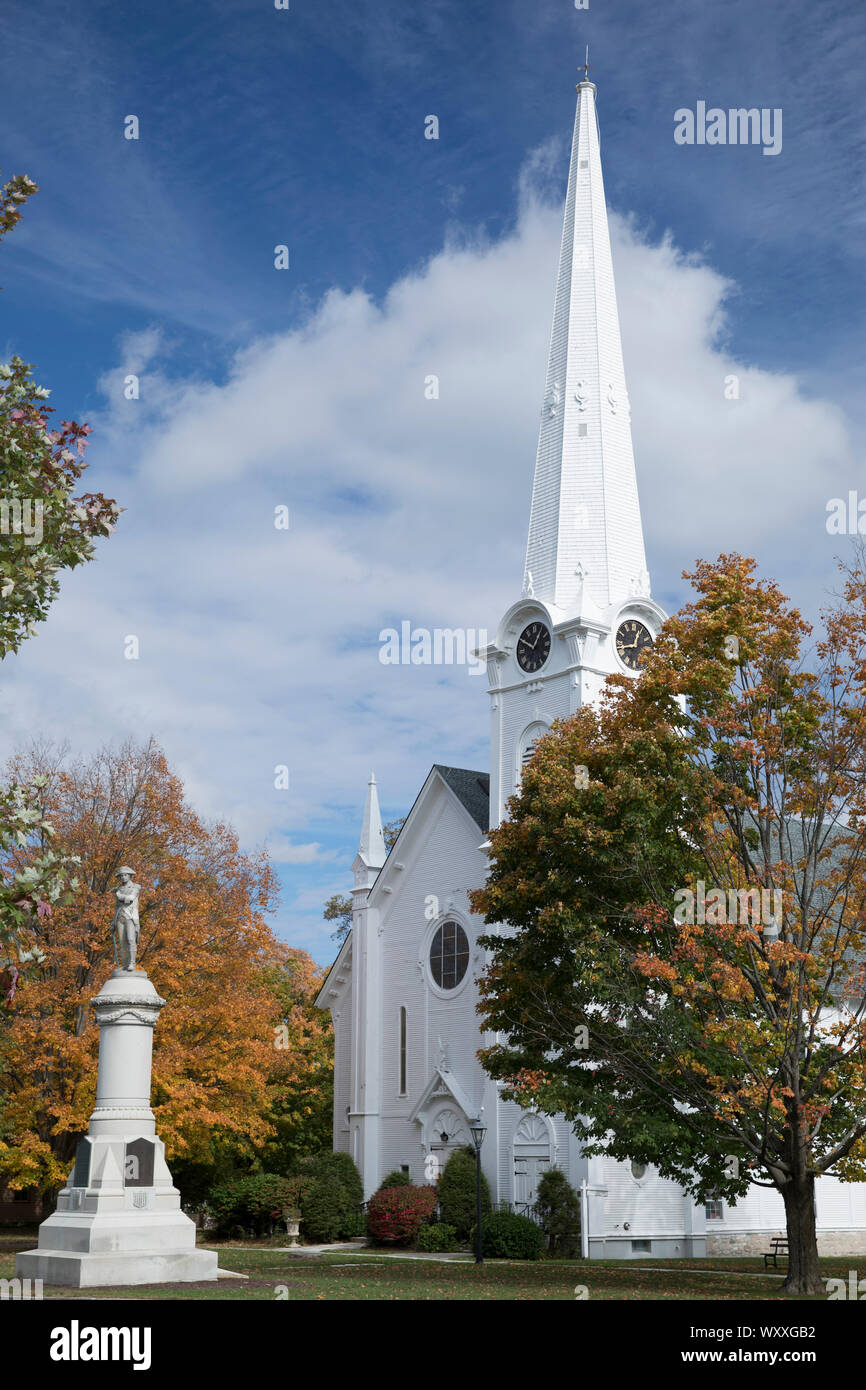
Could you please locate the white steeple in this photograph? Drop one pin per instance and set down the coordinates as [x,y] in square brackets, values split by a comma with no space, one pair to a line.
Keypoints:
[585,535]
[585,604]
[371,847]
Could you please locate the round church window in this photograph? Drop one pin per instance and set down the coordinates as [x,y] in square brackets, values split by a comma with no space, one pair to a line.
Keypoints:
[449,955]
[638,1170]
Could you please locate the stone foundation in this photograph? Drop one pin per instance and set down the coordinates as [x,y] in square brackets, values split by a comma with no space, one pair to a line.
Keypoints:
[721,1243]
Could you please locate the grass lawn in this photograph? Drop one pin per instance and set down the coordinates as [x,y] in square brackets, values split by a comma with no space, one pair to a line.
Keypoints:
[356,1274]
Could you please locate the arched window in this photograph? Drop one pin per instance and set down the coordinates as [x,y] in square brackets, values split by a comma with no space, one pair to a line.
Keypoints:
[527,746]
[402,1051]
[449,955]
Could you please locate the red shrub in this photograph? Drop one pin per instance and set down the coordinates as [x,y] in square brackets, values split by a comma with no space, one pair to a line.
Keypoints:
[398,1213]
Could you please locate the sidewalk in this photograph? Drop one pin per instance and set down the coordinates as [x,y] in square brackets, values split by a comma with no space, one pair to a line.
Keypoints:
[302,1250]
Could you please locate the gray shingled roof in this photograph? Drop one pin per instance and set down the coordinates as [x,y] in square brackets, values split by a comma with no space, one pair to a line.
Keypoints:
[473,789]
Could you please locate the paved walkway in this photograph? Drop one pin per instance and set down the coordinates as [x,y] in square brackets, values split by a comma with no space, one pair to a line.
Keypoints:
[744,1273]
[302,1250]
[444,1256]
[340,1248]
[283,1249]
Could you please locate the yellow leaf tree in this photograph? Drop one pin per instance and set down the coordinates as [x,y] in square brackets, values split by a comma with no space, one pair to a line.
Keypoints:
[205,942]
[301,1082]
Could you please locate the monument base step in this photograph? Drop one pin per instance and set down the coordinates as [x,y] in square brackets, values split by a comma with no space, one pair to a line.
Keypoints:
[117,1268]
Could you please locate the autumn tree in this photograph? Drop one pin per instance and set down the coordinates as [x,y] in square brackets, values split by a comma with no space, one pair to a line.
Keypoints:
[301,1080]
[204,941]
[683,888]
[45,527]
[299,1087]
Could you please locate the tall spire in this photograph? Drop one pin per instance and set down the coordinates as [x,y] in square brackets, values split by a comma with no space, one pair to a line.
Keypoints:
[585,534]
[371,848]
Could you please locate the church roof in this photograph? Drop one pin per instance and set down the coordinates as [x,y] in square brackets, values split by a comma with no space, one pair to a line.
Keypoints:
[470,788]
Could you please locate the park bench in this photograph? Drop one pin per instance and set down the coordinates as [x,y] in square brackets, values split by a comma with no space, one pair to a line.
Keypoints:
[778,1246]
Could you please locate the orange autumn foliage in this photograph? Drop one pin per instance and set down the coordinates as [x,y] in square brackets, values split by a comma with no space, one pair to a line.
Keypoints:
[205,943]
[301,1081]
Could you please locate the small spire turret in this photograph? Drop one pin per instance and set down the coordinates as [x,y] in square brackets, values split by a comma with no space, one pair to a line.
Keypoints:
[371,847]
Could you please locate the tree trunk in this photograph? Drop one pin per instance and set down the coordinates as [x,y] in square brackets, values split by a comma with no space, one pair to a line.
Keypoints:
[804,1272]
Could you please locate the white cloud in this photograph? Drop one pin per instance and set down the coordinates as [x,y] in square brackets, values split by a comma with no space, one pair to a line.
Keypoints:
[284,852]
[260,647]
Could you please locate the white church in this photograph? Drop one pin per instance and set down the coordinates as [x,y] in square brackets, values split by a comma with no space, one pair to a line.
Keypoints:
[402,992]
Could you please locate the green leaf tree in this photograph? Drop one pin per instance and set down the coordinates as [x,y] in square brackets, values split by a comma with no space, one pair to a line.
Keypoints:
[45,527]
[682,877]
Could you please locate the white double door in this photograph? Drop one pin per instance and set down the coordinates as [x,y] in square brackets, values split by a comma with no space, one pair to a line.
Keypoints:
[529,1164]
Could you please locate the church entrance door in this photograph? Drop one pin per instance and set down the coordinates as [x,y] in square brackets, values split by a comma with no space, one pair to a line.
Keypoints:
[528,1168]
[532,1157]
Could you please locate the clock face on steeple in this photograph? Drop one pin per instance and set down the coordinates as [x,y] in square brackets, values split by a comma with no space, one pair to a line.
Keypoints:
[533,647]
[632,640]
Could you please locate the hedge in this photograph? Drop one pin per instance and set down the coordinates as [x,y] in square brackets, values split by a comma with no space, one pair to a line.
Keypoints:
[437,1237]
[557,1207]
[334,1194]
[457,1195]
[507,1236]
[254,1200]
[398,1213]
[396,1178]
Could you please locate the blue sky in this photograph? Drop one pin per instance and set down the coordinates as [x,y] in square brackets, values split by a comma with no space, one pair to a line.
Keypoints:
[408,256]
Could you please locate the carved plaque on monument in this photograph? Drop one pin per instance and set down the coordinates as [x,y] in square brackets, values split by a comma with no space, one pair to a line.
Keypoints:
[138,1163]
[81,1172]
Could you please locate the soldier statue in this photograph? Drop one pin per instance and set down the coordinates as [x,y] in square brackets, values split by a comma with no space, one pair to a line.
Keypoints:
[125,926]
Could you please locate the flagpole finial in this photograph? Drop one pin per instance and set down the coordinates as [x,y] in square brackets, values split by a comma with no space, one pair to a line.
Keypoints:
[586,70]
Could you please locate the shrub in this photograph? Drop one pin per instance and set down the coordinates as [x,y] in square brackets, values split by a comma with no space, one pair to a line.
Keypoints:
[332,1198]
[395,1178]
[457,1192]
[558,1209]
[507,1236]
[340,1166]
[437,1237]
[256,1200]
[324,1210]
[354,1224]
[398,1213]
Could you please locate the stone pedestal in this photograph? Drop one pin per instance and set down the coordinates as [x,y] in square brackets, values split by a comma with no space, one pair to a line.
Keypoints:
[118,1219]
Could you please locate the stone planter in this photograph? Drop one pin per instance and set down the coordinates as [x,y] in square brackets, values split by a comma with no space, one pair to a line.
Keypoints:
[292,1218]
